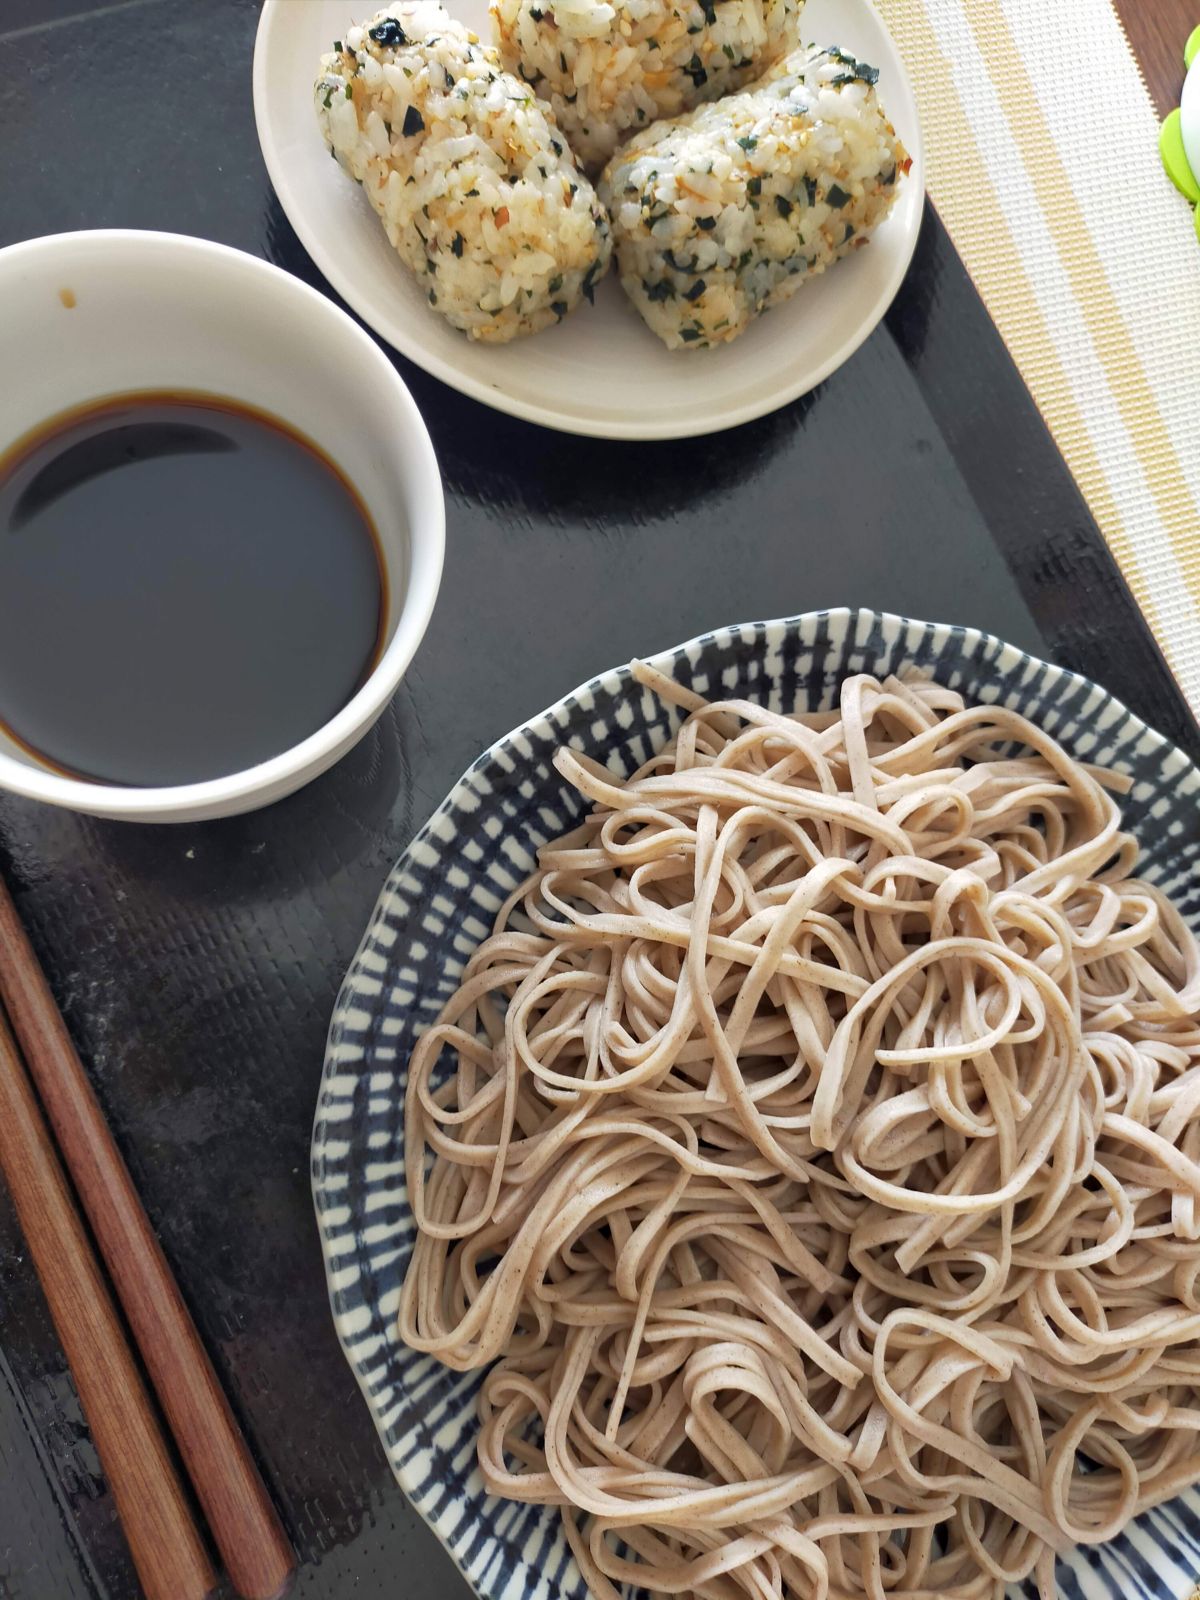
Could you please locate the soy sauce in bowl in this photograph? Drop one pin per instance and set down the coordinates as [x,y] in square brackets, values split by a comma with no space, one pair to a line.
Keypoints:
[187,588]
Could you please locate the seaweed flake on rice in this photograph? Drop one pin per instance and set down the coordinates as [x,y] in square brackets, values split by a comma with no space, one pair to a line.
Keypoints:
[728,209]
[611,69]
[476,187]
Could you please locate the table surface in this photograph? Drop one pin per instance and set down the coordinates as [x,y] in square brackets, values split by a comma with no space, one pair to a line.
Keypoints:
[197,966]
[1158,30]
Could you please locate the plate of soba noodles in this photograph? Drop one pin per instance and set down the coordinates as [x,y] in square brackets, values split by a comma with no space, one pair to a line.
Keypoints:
[758,1156]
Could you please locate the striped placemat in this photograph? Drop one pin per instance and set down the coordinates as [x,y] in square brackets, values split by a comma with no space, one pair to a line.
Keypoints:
[1043,163]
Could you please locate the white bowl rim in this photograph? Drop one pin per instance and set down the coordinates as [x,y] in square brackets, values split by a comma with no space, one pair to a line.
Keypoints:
[215,796]
[718,420]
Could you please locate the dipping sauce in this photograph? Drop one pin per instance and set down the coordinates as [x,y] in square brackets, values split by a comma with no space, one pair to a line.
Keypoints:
[187,587]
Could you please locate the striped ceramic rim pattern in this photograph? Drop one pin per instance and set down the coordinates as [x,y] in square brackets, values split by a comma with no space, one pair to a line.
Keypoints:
[438,904]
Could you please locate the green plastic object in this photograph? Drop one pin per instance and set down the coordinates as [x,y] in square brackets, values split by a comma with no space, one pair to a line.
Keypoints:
[1174,155]
[1174,158]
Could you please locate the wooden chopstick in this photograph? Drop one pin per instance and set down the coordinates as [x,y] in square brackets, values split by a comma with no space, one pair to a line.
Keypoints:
[243,1520]
[167,1550]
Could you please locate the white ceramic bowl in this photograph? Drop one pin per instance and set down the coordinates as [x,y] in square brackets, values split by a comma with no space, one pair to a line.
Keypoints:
[93,314]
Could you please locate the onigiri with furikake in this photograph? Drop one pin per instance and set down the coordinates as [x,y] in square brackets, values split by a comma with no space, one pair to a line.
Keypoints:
[475,185]
[727,210]
[609,68]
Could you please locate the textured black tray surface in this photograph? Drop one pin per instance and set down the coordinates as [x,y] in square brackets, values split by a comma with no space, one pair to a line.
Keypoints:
[197,966]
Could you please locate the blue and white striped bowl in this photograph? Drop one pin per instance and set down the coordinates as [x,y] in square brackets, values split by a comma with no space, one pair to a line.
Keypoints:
[438,904]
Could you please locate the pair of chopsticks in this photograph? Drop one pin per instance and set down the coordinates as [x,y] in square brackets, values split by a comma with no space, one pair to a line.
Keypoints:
[167,1548]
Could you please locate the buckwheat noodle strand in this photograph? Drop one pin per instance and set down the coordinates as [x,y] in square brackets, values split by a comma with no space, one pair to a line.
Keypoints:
[812,1156]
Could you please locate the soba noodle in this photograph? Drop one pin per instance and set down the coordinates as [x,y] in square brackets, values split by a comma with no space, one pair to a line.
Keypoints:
[819,1168]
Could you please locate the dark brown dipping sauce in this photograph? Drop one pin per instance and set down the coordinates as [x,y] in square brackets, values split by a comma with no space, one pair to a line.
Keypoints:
[187,587]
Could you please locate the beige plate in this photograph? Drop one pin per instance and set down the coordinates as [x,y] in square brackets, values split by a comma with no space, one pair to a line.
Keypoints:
[600,372]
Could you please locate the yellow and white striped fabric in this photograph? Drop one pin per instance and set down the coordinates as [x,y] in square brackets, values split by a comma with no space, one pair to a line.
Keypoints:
[1042,151]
